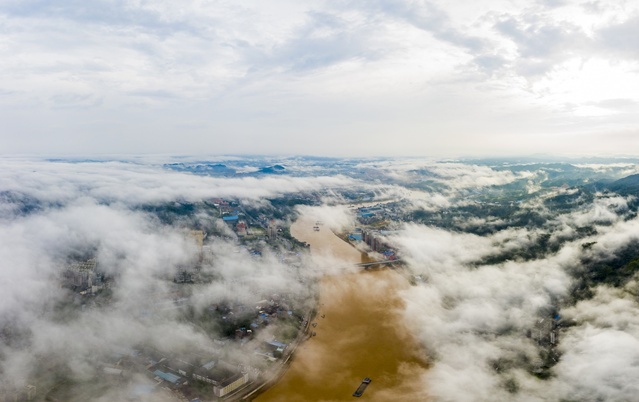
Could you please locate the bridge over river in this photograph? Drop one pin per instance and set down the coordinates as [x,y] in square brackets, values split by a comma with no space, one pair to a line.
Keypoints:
[373,263]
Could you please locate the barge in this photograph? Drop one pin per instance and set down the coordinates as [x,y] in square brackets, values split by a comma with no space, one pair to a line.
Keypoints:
[362,387]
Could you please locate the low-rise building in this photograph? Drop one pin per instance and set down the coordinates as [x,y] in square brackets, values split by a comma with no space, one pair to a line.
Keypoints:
[171,378]
[224,377]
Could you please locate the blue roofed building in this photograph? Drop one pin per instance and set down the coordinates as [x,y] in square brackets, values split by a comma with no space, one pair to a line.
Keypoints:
[355,236]
[169,377]
[276,344]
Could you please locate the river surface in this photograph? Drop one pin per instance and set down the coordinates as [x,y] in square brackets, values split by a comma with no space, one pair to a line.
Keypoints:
[359,334]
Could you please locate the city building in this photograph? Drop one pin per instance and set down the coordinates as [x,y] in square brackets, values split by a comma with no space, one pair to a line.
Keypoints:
[180,367]
[11,394]
[198,237]
[169,377]
[271,230]
[230,384]
[81,275]
[225,377]
[241,228]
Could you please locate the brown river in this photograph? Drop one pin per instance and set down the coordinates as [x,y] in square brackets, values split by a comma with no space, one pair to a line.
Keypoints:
[359,334]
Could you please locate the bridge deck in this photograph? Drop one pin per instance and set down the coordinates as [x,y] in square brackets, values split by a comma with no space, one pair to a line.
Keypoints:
[368,264]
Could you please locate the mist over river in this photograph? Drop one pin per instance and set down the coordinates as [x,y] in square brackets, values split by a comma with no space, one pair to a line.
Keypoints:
[360,333]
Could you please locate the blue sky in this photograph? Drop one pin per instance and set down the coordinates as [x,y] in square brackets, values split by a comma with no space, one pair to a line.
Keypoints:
[431,78]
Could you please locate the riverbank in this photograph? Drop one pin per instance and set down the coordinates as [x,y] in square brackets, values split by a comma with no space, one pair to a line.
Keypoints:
[359,332]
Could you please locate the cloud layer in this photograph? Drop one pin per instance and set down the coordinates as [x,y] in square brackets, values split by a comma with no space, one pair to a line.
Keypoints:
[484,307]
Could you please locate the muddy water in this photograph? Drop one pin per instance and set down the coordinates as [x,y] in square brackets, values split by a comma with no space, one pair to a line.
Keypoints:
[361,335]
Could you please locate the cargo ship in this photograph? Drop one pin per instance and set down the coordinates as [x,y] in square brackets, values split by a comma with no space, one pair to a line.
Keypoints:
[362,387]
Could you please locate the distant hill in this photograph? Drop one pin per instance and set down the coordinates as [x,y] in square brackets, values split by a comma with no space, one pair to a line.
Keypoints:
[627,185]
[213,169]
[272,169]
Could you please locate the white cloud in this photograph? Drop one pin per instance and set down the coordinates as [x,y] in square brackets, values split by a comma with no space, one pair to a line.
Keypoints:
[600,357]
[134,184]
[473,320]
[91,209]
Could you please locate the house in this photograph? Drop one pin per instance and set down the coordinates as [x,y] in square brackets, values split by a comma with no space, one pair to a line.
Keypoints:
[241,228]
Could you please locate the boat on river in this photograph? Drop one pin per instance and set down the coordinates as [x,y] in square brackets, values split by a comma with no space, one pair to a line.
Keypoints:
[362,387]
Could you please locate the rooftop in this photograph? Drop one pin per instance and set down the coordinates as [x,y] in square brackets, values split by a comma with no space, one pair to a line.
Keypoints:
[172,378]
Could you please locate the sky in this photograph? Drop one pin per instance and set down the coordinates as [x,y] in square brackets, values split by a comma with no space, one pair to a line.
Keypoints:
[339,78]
